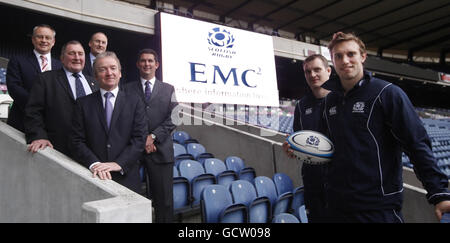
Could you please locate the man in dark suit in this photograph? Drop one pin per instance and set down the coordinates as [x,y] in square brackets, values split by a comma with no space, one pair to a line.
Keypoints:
[109,127]
[23,71]
[97,44]
[158,158]
[48,113]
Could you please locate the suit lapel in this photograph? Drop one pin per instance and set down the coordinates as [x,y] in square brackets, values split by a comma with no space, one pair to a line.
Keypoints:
[139,90]
[54,64]
[64,82]
[156,88]
[92,83]
[120,101]
[34,62]
[100,110]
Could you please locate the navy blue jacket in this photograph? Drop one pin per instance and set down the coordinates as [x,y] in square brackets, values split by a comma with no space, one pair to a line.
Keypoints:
[21,75]
[370,127]
[308,116]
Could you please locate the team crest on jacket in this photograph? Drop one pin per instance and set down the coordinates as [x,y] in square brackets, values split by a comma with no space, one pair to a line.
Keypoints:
[358,107]
[308,111]
[332,111]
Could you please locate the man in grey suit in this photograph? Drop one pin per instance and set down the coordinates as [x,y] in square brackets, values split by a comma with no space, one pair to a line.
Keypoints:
[158,158]
[48,113]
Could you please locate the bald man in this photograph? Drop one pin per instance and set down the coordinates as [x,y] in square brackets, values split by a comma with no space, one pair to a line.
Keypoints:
[98,44]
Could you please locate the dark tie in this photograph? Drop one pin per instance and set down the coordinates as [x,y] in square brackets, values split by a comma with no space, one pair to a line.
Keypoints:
[108,108]
[79,90]
[148,91]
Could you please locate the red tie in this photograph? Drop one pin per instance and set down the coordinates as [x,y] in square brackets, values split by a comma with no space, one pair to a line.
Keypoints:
[44,63]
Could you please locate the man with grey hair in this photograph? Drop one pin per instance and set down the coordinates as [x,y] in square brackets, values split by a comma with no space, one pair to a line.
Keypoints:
[109,143]
[23,71]
[48,113]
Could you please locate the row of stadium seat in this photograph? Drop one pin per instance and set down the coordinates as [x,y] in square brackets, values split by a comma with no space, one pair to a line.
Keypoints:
[259,202]
[192,177]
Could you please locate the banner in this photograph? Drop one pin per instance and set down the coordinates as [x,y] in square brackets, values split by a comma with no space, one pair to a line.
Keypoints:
[210,63]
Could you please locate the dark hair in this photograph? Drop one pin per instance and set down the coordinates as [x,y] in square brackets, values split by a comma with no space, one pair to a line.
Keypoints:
[148,51]
[72,42]
[339,37]
[314,57]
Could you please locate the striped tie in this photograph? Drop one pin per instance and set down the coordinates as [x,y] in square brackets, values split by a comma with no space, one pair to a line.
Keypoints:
[44,63]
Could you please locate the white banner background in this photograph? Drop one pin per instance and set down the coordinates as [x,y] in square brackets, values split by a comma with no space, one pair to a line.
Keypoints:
[194,64]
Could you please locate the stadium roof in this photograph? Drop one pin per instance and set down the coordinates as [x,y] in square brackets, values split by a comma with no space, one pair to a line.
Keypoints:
[404,27]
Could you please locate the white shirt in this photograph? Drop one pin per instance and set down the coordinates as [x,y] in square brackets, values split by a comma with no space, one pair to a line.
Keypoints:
[112,99]
[152,83]
[71,78]
[49,59]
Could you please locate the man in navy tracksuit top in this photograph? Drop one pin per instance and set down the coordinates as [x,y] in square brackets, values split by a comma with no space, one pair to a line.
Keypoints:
[370,121]
[307,116]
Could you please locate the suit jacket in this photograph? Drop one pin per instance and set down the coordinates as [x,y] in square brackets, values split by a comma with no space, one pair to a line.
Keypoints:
[158,114]
[21,74]
[91,141]
[87,70]
[48,113]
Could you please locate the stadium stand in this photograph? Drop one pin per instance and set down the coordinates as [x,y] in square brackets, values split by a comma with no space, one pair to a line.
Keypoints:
[262,198]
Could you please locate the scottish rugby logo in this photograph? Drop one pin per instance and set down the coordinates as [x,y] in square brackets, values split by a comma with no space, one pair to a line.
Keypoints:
[221,43]
[220,37]
[313,141]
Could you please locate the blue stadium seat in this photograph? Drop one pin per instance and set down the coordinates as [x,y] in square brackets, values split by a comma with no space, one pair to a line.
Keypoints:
[178,149]
[198,151]
[180,154]
[181,193]
[217,206]
[180,137]
[266,188]
[284,186]
[283,183]
[237,164]
[259,208]
[298,199]
[218,169]
[198,179]
[285,218]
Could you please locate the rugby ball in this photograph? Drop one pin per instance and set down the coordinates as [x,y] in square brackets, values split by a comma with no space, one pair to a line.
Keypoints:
[311,147]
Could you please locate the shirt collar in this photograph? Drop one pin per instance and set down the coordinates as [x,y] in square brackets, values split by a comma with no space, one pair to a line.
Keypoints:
[152,81]
[69,73]
[114,91]
[38,55]
[92,57]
